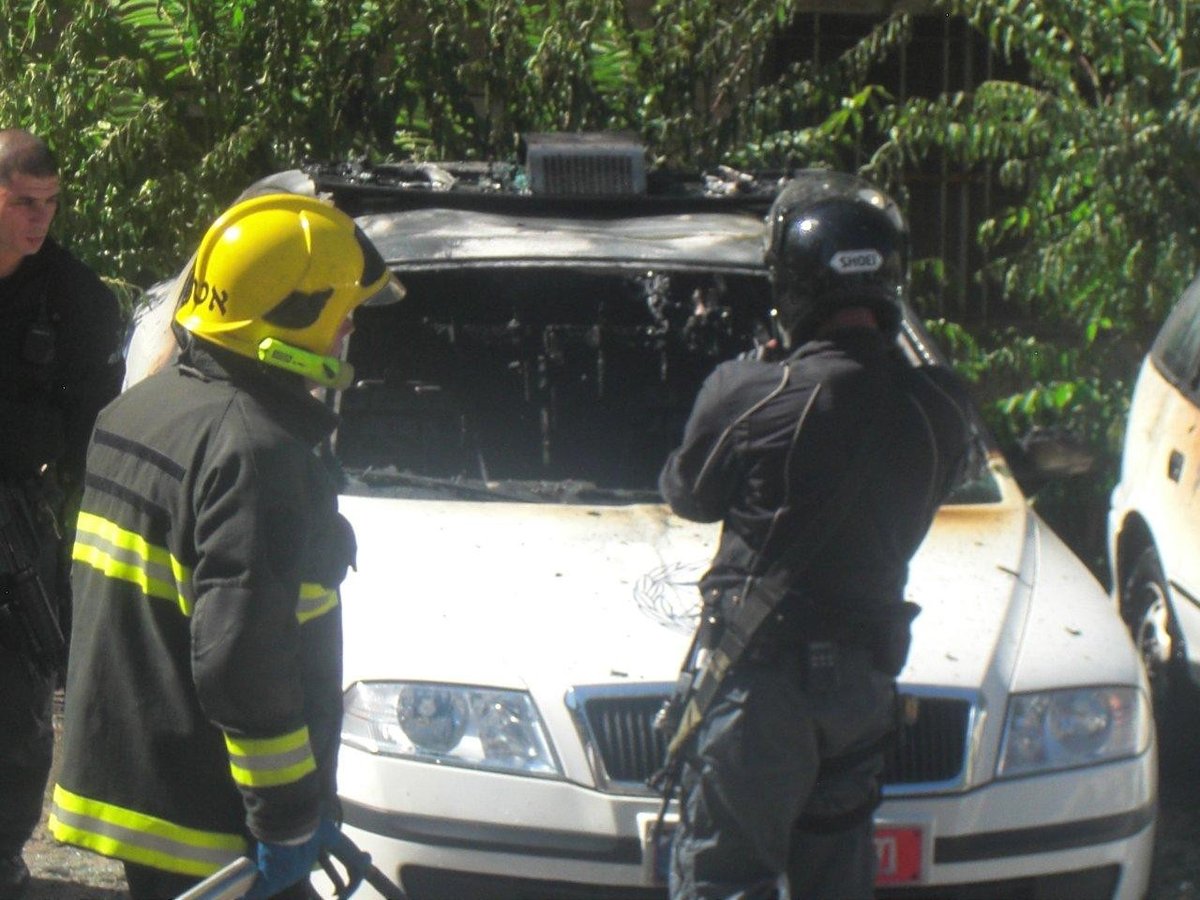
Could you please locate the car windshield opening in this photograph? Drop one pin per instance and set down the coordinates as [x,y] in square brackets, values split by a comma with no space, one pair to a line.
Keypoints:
[539,384]
[536,384]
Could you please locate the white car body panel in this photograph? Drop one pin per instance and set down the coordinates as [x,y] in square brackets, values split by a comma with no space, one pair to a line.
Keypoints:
[614,568]
[519,573]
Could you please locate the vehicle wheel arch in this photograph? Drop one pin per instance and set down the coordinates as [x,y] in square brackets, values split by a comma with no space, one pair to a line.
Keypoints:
[1134,538]
[1146,605]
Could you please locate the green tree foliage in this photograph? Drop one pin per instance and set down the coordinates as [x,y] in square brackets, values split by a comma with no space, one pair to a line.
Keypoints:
[1099,147]
[161,110]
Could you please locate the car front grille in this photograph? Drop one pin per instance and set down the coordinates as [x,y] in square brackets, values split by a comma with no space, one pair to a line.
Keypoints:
[930,747]
[623,730]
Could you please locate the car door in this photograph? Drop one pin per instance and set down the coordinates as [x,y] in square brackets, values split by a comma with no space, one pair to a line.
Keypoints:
[1163,454]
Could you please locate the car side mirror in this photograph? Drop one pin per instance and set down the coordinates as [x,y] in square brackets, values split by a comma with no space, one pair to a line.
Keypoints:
[1049,454]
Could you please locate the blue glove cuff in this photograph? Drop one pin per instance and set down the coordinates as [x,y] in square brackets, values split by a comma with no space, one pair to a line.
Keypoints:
[282,865]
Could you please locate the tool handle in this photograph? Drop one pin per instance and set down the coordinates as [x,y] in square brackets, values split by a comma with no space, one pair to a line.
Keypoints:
[359,868]
[384,885]
[230,883]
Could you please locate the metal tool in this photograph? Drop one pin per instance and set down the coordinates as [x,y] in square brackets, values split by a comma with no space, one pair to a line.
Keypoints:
[232,882]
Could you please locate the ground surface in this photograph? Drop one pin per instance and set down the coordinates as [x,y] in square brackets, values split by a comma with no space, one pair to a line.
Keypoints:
[63,873]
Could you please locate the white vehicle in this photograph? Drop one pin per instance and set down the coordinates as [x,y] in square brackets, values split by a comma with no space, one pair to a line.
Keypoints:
[523,598]
[1153,520]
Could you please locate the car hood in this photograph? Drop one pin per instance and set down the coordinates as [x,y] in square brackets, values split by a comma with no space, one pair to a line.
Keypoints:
[503,593]
[527,595]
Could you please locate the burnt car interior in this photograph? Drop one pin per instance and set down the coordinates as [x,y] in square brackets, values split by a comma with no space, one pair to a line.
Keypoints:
[518,374]
[556,380]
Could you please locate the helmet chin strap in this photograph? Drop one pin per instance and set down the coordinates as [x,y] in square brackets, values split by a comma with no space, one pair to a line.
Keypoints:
[326,371]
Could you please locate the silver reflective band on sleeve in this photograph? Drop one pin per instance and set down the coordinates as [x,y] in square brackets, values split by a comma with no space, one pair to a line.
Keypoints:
[315,600]
[269,762]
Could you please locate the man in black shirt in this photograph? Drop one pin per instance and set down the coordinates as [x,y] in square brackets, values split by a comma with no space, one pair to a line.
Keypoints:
[60,362]
[826,465]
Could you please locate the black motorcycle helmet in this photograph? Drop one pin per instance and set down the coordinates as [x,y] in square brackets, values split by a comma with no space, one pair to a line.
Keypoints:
[834,240]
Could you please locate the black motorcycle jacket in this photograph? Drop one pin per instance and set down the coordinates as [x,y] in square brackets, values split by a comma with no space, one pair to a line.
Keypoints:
[205,675]
[755,444]
[61,333]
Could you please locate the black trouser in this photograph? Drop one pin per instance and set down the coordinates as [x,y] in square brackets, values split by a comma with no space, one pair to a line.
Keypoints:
[759,819]
[26,720]
[26,749]
[146,883]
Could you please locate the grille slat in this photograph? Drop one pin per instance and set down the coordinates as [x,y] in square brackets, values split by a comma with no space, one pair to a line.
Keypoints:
[933,748]
[929,750]
[623,727]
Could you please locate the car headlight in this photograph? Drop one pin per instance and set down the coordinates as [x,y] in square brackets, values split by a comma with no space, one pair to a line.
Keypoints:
[445,723]
[1073,727]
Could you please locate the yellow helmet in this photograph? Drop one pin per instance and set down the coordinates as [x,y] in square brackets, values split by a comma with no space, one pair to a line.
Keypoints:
[275,277]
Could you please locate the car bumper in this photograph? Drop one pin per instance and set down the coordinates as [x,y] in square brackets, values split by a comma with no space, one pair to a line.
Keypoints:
[444,832]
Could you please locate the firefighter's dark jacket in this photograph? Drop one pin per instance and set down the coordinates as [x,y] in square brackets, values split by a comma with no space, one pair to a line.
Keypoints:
[60,361]
[749,450]
[203,700]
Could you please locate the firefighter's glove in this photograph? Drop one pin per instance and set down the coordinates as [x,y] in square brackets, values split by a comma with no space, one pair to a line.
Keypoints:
[282,865]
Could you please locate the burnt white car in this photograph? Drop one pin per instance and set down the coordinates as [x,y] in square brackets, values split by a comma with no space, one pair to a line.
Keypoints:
[523,598]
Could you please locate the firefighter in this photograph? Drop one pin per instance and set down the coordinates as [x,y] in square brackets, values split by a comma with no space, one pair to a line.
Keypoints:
[60,362]
[203,700]
[781,778]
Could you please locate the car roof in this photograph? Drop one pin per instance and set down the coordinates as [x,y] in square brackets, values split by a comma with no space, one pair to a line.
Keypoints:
[435,238]
[433,217]
[464,215]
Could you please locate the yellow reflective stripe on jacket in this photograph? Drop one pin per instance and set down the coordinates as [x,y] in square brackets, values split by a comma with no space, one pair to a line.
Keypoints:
[119,553]
[122,554]
[315,600]
[122,833]
[270,762]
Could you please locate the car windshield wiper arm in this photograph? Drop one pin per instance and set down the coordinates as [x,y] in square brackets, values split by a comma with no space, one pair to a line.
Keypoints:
[566,491]
[455,486]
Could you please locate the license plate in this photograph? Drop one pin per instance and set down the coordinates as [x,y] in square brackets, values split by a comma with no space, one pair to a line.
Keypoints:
[898,850]
[656,847]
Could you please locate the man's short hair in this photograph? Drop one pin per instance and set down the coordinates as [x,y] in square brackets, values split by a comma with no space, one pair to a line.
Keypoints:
[22,153]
